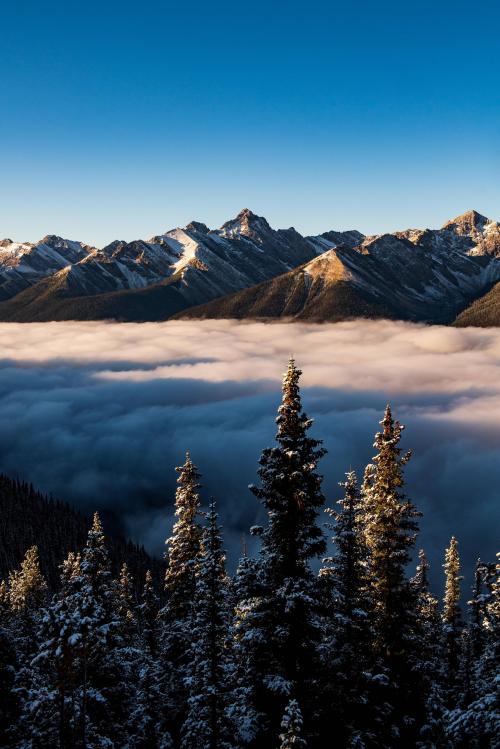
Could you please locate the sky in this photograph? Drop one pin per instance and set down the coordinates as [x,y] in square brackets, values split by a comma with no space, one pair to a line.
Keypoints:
[99,414]
[125,119]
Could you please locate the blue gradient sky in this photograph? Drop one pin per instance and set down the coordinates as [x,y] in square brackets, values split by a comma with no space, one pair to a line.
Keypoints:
[123,119]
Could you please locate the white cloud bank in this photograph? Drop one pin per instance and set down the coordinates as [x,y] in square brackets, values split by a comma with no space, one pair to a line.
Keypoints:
[99,413]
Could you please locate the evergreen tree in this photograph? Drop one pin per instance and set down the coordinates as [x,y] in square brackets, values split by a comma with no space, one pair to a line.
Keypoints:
[184,543]
[27,586]
[27,592]
[50,706]
[148,616]
[93,635]
[349,632]
[205,726]
[389,519]
[247,661]
[125,603]
[291,725]
[177,616]
[148,723]
[476,725]
[429,660]
[452,624]
[286,632]
[225,664]
[9,702]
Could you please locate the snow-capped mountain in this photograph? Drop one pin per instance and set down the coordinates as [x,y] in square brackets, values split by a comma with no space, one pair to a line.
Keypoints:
[23,264]
[428,275]
[204,263]
[197,263]
[248,269]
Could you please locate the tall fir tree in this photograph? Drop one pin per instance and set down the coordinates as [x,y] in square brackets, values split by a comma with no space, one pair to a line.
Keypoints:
[125,604]
[147,614]
[27,587]
[348,632]
[476,725]
[286,628]
[177,616]
[28,593]
[184,543]
[50,710]
[248,657]
[429,659]
[205,726]
[452,620]
[94,634]
[148,723]
[9,665]
[390,522]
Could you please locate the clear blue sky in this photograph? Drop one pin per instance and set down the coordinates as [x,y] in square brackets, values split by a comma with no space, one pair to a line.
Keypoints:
[123,119]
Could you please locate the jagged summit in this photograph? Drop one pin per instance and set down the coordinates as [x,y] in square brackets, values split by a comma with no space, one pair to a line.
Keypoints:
[246,223]
[198,226]
[468,220]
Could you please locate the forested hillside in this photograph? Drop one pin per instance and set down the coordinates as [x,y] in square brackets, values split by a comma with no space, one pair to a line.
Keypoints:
[29,518]
[275,657]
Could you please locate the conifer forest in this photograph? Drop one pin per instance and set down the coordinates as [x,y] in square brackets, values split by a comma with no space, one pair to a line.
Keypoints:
[329,637]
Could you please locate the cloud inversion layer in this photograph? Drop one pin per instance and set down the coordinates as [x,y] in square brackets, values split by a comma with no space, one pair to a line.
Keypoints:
[100,414]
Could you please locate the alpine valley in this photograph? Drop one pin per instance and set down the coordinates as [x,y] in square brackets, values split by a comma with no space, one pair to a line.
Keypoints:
[246,269]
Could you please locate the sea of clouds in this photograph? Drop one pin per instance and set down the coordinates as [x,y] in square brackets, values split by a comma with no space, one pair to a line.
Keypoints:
[100,413]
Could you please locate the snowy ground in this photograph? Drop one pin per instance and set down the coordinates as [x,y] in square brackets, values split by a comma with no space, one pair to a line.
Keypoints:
[101,413]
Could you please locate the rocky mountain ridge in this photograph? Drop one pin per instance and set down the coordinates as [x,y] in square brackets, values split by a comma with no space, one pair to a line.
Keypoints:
[248,269]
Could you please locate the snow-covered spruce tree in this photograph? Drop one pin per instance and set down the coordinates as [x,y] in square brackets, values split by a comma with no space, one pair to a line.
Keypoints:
[205,726]
[9,703]
[27,588]
[452,621]
[125,605]
[27,594]
[176,617]
[184,543]
[286,632]
[291,727]
[429,663]
[49,711]
[147,614]
[473,635]
[348,632]
[147,722]
[100,701]
[389,519]
[477,725]
[246,666]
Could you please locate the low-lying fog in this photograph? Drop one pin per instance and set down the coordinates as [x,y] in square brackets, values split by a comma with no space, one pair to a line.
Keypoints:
[99,414]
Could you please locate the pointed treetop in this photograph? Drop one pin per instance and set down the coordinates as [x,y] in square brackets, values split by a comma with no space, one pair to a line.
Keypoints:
[451,601]
[421,579]
[291,725]
[290,385]
[387,422]
[96,523]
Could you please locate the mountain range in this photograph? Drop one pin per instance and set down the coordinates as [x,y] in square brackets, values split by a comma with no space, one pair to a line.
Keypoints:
[246,269]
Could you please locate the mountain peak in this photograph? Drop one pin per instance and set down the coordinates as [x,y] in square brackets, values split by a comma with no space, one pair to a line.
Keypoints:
[246,215]
[246,223]
[197,226]
[51,239]
[468,220]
